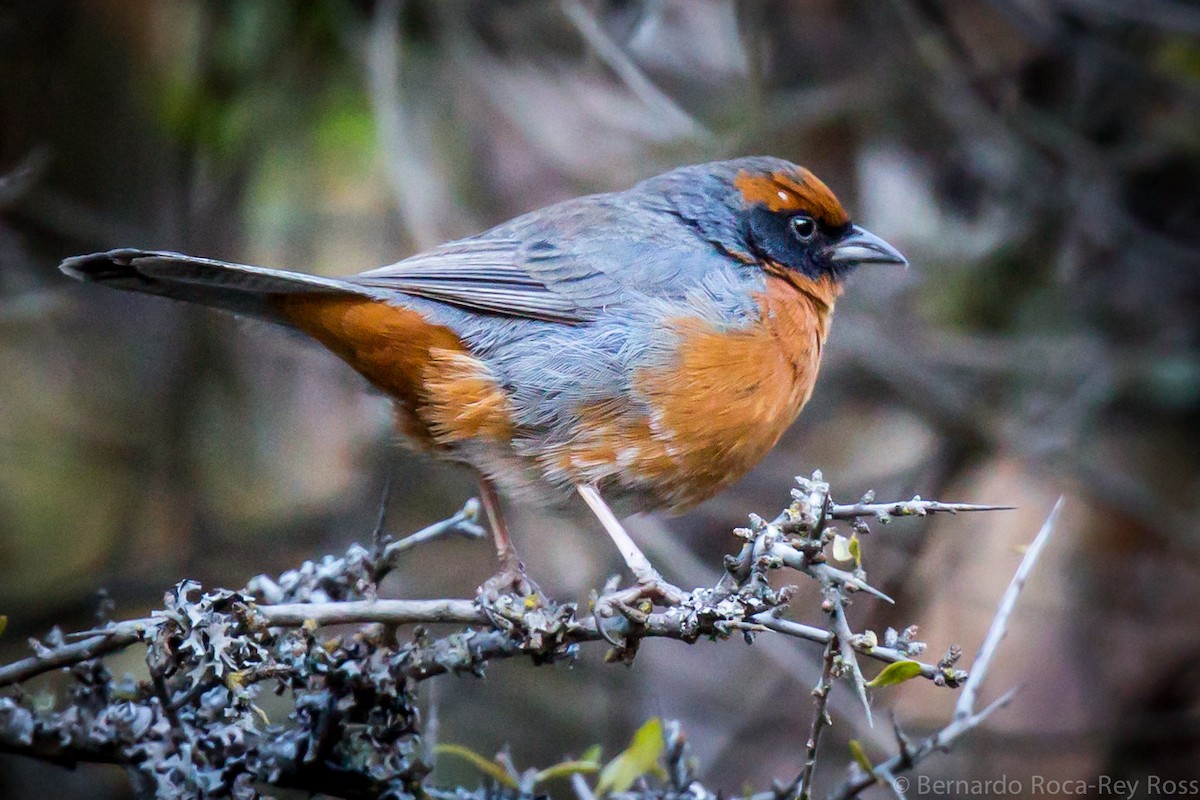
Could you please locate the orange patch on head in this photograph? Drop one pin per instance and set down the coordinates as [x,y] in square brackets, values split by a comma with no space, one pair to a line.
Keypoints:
[788,192]
[443,393]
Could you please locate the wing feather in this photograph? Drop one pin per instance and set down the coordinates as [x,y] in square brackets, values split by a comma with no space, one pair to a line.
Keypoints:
[501,276]
[565,264]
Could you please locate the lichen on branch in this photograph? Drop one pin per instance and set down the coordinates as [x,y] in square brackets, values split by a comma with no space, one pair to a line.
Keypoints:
[193,728]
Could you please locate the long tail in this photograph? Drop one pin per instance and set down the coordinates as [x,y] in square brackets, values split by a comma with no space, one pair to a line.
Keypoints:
[253,291]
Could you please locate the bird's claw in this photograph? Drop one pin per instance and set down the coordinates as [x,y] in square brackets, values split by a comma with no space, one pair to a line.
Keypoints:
[655,588]
[598,619]
[634,603]
[507,594]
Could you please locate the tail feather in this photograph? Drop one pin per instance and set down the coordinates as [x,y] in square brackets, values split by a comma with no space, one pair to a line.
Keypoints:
[238,288]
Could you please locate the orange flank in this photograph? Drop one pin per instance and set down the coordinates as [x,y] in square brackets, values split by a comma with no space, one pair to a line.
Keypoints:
[443,393]
[465,402]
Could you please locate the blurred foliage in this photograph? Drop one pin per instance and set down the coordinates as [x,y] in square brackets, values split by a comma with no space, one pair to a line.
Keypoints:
[641,757]
[245,72]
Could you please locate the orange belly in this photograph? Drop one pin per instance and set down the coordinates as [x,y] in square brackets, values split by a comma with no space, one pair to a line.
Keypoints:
[726,402]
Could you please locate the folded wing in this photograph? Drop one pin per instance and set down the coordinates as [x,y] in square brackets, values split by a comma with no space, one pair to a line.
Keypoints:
[502,276]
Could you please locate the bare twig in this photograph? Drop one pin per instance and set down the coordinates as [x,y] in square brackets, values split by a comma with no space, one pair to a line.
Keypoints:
[464,523]
[841,629]
[118,637]
[887,655]
[820,721]
[908,508]
[388,612]
[357,573]
[965,718]
[965,707]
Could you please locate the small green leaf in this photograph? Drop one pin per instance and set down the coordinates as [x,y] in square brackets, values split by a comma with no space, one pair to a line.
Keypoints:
[484,765]
[860,756]
[565,769]
[855,549]
[3,624]
[899,672]
[639,758]
[593,753]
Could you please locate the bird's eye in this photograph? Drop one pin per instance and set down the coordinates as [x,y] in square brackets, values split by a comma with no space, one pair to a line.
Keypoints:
[804,227]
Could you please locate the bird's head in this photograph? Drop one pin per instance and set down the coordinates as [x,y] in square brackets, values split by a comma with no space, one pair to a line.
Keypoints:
[778,215]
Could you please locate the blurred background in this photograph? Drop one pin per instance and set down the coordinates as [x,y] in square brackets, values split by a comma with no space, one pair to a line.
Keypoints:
[1038,162]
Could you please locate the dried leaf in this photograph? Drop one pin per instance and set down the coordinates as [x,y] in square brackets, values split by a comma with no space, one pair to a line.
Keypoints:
[639,758]
[3,624]
[899,672]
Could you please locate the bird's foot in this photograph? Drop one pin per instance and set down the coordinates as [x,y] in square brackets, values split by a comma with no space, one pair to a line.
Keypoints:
[634,603]
[509,593]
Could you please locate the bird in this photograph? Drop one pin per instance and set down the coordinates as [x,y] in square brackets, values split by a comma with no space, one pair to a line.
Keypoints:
[639,349]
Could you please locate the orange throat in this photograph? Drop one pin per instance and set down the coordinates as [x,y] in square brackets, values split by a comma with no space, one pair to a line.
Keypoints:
[799,309]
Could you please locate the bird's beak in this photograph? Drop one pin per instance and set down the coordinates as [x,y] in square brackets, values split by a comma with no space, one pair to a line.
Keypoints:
[860,246]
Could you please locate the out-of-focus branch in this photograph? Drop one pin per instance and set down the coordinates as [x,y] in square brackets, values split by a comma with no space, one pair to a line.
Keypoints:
[1176,17]
[17,182]
[629,73]
[415,187]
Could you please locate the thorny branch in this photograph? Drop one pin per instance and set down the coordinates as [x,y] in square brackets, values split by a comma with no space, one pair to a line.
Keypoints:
[820,721]
[966,716]
[193,729]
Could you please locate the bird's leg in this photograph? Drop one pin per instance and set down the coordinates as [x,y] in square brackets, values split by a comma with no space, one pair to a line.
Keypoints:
[511,578]
[650,583]
[505,552]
